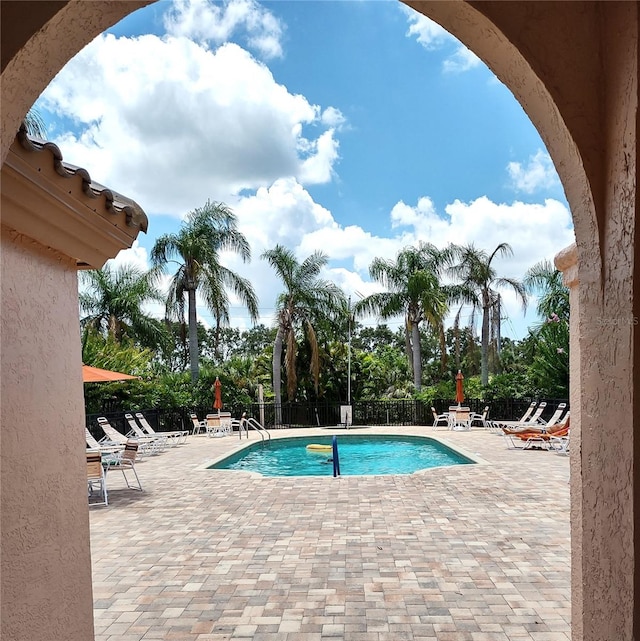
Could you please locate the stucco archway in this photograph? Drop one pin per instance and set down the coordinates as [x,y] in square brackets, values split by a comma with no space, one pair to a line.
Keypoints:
[574,68]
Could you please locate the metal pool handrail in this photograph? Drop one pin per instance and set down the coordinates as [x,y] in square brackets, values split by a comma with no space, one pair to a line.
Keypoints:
[251,422]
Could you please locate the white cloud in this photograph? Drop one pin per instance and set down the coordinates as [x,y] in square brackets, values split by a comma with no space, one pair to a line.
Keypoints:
[462,60]
[205,21]
[172,124]
[433,37]
[538,174]
[427,32]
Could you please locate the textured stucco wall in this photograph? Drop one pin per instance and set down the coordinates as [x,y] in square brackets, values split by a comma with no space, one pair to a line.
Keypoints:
[574,68]
[45,565]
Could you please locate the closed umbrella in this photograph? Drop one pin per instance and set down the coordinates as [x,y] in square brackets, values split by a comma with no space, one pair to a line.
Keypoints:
[217,390]
[459,388]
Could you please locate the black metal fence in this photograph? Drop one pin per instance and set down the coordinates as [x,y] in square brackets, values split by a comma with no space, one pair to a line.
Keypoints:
[399,412]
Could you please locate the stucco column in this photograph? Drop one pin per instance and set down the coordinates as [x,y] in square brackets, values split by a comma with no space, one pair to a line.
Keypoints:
[45,570]
[567,262]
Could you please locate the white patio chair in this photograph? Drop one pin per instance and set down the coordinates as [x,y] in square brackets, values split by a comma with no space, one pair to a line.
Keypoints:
[197,424]
[126,461]
[214,428]
[440,419]
[480,418]
[96,479]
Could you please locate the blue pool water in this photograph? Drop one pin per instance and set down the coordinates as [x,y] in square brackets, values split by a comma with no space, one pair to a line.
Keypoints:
[368,455]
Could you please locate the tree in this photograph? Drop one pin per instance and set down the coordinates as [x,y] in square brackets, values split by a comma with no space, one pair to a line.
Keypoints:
[544,281]
[414,289]
[306,300]
[195,249]
[113,301]
[476,272]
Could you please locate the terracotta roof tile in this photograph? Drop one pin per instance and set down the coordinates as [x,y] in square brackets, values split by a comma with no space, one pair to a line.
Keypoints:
[114,202]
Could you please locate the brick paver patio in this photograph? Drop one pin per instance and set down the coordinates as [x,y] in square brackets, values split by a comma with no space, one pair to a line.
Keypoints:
[469,553]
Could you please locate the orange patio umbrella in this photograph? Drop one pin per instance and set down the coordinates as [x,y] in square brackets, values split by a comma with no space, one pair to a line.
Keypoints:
[459,388]
[97,375]
[217,389]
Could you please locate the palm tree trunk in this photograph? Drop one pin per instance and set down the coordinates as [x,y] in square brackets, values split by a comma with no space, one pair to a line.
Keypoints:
[193,336]
[484,358]
[417,361]
[443,349]
[277,369]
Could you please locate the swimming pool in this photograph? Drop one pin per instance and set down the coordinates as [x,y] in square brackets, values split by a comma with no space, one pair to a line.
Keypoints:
[359,455]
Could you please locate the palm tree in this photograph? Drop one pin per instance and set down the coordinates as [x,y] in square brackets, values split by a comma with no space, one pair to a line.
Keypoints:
[414,289]
[307,300]
[477,273]
[112,300]
[195,249]
[545,280]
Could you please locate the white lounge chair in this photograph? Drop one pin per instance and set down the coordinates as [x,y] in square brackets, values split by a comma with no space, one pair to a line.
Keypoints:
[176,437]
[137,433]
[103,448]
[113,437]
[534,419]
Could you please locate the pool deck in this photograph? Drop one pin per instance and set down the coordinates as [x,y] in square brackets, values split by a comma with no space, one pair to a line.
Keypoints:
[467,553]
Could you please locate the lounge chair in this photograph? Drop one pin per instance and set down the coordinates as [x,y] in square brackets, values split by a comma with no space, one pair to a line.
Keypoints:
[536,436]
[541,441]
[560,444]
[113,437]
[176,437]
[96,479]
[539,427]
[103,448]
[126,461]
[440,419]
[532,420]
[136,432]
[495,426]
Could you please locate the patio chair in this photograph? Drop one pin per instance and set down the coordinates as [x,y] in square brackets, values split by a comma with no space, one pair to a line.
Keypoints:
[96,479]
[556,416]
[440,419]
[460,418]
[197,424]
[214,428]
[176,437]
[225,422]
[480,418]
[113,437]
[126,461]
[136,432]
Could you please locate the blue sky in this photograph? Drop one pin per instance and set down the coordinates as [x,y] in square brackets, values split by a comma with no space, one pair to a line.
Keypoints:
[354,127]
